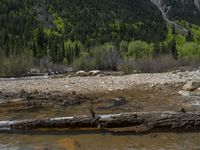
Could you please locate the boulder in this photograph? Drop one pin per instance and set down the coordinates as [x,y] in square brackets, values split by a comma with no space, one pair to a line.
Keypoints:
[81,73]
[185,93]
[191,86]
[94,72]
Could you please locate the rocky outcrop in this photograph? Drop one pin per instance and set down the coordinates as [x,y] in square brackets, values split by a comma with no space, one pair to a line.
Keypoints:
[197,4]
[164,10]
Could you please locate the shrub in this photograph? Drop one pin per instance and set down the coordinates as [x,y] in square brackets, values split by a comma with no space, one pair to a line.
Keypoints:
[104,57]
[139,49]
[83,62]
[189,49]
[15,65]
[148,65]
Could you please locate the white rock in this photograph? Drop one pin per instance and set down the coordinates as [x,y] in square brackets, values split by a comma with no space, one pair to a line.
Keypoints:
[191,86]
[184,93]
[94,72]
[81,73]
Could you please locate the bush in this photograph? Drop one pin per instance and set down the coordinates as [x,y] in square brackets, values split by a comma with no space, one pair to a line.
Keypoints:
[139,49]
[104,57]
[148,65]
[189,49]
[83,62]
[15,65]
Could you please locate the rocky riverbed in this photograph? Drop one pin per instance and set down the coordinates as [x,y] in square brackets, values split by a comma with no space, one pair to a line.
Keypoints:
[95,84]
[65,96]
[50,96]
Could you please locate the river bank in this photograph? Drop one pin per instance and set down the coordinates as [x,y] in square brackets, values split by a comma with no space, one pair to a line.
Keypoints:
[67,96]
[95,84]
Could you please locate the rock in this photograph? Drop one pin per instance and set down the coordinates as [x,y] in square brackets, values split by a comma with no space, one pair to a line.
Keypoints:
[191,86]
[175,71]
[197,72]
[94,72]
[100,75]
[81,73]
[72,82]
[180,75]
[35,70]
[184,93]
[152,85]
[136,71]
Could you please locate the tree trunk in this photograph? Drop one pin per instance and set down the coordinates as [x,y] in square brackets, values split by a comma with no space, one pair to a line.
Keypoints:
[138,121]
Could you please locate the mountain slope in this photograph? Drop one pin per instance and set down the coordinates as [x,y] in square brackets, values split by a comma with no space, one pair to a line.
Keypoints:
[56,28]
[188,10]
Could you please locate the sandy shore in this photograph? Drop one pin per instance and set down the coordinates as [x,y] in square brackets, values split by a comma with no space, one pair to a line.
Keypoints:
[95,84]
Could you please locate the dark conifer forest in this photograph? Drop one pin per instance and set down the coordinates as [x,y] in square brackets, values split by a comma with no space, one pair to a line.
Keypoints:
[77,32]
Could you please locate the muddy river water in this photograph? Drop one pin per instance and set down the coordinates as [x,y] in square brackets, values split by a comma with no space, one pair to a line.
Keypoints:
[159,99]
[100,141]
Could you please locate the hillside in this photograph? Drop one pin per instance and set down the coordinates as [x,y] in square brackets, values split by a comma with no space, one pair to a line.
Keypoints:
[77,32]
[89,21]
[188,10]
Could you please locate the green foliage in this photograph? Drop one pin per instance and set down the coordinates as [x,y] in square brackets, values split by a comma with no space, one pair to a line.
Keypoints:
[43,26]
[75,32]
[189,49]
[180,39]
[123,49]
[196,33]
[99,57]
[139,49]
[72,50]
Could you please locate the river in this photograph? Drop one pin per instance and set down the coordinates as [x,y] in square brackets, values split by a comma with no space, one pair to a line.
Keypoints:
[100,141]
[160,99]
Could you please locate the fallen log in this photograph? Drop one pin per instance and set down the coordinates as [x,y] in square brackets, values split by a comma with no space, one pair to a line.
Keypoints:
[139,121]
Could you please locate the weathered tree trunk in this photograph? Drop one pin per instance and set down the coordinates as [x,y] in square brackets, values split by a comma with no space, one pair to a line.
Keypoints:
[144,121]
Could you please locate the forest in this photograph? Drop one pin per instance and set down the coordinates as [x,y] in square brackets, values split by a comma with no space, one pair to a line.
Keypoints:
[92,34]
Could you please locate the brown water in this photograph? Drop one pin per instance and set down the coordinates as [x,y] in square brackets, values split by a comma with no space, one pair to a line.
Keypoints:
[133,100]
[88,141]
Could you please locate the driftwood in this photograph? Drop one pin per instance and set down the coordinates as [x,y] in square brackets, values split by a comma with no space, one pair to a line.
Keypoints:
[144,121]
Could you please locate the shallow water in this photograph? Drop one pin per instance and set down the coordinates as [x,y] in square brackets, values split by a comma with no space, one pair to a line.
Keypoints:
[88,141]
[135,100]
